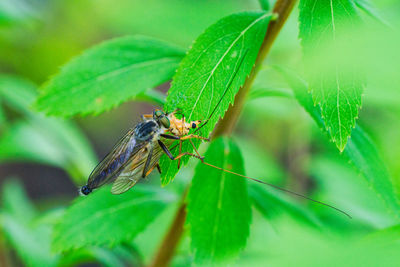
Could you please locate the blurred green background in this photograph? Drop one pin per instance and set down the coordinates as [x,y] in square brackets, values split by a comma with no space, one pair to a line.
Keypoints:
[50,157]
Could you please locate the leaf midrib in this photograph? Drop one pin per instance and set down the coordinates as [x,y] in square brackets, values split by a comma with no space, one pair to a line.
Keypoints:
[220,195]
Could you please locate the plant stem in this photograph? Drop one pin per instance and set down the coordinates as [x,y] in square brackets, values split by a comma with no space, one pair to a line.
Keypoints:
[282,9]
[225,127]
[167,248]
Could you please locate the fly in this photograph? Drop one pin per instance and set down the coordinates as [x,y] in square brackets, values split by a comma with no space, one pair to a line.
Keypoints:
[137,154]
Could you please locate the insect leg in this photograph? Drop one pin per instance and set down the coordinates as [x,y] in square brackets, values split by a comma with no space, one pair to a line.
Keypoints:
[165,149]
[147,164]
[190,136]
[175,137]
[158,168]
[195,149]
[146,117]
[180,151]
[152,168]
[180,141]
[167,136]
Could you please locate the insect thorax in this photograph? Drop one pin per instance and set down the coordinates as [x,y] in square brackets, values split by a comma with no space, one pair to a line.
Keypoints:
[178,127]
[145,131]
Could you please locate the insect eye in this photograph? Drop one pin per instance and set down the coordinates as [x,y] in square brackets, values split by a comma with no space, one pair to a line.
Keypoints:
[165,122]
[86,190]
[194,125]
[158,113]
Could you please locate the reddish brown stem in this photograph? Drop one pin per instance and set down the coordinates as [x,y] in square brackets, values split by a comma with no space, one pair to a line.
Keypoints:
[171,240]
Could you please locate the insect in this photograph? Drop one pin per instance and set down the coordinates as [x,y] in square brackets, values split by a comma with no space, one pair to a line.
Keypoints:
[137,154]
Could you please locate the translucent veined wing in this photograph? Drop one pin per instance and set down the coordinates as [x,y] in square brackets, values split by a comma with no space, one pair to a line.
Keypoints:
[133,171]
[115,161]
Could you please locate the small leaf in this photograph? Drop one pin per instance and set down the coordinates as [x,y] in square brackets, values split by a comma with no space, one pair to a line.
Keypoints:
[333,75]
[230,45]
[105,219]
[109,74]
[219,212]
[360,150]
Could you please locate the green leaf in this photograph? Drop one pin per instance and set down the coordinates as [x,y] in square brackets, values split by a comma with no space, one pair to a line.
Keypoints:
[17,11]
[152,96]
[256,93]
[219,211]
[109,74]
[91,254]
[267,202]
[17,93]
[334,78]
[105,219]
[363,153]
[16,202]
[30,241]
[361,150]
[208,67]
[40,139]
[386,236]
[265,5]
[371,10]
[32,245]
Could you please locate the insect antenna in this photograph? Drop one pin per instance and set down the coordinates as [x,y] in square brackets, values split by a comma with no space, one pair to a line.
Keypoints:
[279,188]
[224,93]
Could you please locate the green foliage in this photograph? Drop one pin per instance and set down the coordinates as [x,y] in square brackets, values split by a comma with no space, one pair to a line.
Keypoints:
[40,139]
[256,93]
[219,212]
[269,202]
[371,10]
[108,74]
[105,219]
[230,45]
[16,203]
[265,5]
[16,11]
[276,142]
[360,150]
[334,79]
[31,242]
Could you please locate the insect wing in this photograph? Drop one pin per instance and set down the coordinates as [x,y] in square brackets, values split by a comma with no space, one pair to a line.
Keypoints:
[134,170]
[114,162]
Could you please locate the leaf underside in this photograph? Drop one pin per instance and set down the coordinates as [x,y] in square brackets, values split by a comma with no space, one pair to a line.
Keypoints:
[206,70]
[219,211]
